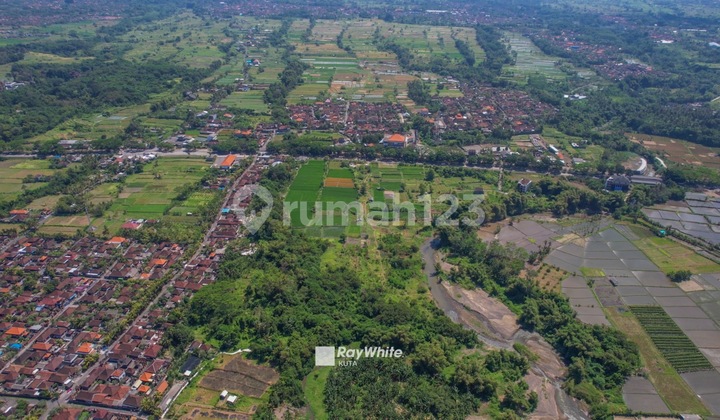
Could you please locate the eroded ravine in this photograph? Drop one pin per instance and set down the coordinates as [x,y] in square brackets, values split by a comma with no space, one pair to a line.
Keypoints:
[497,327]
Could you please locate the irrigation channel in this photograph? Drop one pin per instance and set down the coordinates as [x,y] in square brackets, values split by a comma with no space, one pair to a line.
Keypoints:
[554,401]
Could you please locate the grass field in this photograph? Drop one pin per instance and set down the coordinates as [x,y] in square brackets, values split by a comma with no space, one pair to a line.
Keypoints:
[184,38]
[12,172]
[674,345]
[148,194]
[671,387]
[669,256]
[313,388]
[592,272]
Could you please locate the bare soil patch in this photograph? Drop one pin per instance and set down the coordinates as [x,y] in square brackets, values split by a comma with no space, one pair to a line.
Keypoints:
[241,376]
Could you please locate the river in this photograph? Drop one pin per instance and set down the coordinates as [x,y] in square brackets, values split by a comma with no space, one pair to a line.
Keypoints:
[544,371]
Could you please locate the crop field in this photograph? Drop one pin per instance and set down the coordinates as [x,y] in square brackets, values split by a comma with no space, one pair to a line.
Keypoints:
[425,42]
[679,151]
[252,100]
[530,60]
[183,38]
[193,203]
[670,340]
[371,75]
[241,376]
[669,384]
[12,172]
[390,183]
[148,194]
[162,126]
[44,203]
[323,200]
[338,182]
[669,256]
[92,126]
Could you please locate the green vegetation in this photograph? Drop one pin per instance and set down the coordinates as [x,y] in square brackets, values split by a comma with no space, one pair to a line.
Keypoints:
[669,384]
[259,299]
[592,272]
[594,376]
[675,346]
[671,256]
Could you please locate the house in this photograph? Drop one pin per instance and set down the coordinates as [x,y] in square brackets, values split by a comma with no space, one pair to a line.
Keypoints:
[16,332]
[72,144]
[395,140]
[189,366]
[131,225]
[523,185]
[646,180]
[617,183]
[116,240]
[162,388]
[228,162]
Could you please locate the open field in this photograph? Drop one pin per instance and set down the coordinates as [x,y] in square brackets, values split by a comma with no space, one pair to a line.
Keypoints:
[183,38]
[201,399]
[149,194]
[240,376]
[672,256]
[13,171]
[44,203]
[93,126]
[252,100]
[146,195]
[371,75]
[679,151]
[670,340]
[320,202]
[429,42]
[671,387]
[531,60]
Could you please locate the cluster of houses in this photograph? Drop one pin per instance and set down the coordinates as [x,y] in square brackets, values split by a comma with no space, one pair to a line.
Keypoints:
[53,336]
[611,60]
[211,124]
[487,108]
[353,119]
[60,301]
[133,367]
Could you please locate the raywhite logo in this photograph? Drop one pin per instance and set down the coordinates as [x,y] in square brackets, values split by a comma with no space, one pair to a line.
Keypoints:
[241,200]
[326,356]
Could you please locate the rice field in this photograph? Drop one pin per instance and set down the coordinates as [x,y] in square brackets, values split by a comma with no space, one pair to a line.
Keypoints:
[13,171]
[530,60]
[323,202]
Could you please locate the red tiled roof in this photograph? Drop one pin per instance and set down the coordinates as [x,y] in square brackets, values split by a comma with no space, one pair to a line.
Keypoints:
[229,160]
[15,331]
[162,387]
